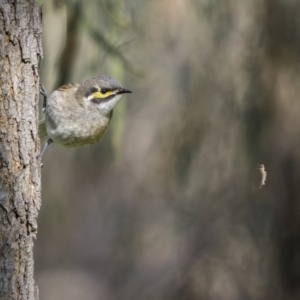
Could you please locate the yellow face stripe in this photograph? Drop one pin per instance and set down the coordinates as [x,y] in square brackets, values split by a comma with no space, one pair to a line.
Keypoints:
[101,95]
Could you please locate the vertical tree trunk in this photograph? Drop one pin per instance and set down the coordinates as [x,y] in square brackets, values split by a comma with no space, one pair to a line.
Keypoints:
[20,52]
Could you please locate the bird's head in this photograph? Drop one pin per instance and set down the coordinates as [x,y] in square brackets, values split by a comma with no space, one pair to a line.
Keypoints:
[100,92]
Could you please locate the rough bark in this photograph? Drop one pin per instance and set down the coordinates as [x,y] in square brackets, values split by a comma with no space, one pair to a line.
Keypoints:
[20,52]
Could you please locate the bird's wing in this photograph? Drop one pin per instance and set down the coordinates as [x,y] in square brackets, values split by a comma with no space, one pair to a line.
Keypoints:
[42,125]
[68,86]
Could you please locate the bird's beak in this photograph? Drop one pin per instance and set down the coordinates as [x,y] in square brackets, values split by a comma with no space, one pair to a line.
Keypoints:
[123,91]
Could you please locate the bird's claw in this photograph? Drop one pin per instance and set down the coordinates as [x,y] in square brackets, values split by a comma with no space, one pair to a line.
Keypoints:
[43,91]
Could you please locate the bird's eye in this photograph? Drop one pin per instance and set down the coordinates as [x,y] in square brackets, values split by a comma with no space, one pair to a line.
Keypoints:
[104,91]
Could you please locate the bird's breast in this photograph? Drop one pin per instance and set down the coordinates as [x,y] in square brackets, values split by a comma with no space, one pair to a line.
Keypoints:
[74,126]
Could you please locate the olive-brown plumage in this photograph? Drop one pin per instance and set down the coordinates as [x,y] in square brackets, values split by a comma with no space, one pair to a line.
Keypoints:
[79,114]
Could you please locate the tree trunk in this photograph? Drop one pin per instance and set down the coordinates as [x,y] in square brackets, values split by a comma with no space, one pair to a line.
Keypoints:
[20,186]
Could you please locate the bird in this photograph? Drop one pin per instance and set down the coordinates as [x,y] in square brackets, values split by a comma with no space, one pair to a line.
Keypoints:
[78,114]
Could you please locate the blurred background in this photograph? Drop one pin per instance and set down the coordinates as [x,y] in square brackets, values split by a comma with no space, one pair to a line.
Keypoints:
[167,205]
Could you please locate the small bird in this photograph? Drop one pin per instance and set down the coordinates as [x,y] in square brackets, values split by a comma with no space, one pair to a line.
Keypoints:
[79,114]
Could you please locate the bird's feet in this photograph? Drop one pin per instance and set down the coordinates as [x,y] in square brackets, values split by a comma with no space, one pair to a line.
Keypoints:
[48,142]
[44,93]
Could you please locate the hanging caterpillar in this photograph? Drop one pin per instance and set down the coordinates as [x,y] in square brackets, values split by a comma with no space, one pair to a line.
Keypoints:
[263,175]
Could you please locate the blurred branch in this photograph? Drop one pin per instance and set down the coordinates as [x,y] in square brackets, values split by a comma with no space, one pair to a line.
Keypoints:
[71,45]
[112,50]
